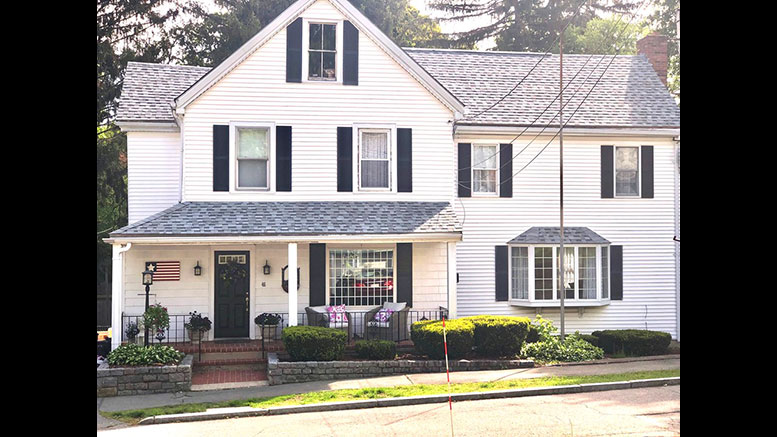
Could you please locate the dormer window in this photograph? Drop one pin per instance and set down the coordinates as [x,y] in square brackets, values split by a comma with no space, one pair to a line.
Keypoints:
[322,52]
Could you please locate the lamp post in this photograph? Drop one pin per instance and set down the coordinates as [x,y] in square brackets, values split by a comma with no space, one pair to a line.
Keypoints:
[148,279]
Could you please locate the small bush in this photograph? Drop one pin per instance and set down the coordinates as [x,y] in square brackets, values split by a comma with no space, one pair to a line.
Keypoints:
[136,355]
[376,349]
[499,335]
[591,339]
[427,337]
[533,335]
[314,343]
[549,347]
[633,342]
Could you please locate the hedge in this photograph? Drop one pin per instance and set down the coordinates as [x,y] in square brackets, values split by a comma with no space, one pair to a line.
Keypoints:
[376,349]
[135,355]
[499,335]
[427,337]
[314,343]
[633,342]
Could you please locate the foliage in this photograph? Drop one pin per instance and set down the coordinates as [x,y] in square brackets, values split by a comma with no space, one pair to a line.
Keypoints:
[132,330]
[427,336]
[267,319]
[314,343]
[633,342]
[136,355]
[376,349]
[594,340]
[156,317]
[664,21]
[197,322]
[604,36]
[232,271]
[551,348]
[499,335]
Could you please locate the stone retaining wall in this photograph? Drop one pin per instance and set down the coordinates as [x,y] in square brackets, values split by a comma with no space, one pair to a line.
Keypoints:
[121,381]
[284,372]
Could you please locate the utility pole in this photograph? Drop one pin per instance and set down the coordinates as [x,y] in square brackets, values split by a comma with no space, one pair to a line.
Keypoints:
[562,287]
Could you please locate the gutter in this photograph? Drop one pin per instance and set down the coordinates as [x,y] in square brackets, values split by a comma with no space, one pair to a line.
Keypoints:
[252,239]
[464,129]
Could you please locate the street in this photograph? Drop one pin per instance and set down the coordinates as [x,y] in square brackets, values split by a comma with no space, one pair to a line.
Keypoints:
[644,412]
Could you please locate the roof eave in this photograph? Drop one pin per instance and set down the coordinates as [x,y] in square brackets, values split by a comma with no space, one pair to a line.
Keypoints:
[147,126]
[297,238]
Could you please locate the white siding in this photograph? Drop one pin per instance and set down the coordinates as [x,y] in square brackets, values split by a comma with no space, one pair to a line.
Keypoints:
[153,172]
[644,227]
[257,90]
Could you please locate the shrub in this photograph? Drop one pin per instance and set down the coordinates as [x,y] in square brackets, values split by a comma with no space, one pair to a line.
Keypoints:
[136,355]
[633,342]
[591,339]
[376,349]
[314,343]
[499,335]
[533,335]
[427,337]
[549,347]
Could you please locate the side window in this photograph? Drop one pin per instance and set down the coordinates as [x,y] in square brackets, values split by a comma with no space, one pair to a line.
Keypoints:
[322,52]
[627,171]
[485,168]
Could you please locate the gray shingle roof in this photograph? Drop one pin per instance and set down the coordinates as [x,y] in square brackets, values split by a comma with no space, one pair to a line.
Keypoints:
[630,93]
[296,218]
[550,235]
[149,89]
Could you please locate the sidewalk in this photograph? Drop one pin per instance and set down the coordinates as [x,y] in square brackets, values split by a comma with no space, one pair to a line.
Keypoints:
[664,362]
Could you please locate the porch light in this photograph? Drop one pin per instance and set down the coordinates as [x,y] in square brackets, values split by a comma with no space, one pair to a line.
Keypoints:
[197,269]
[148,277]
[266,268]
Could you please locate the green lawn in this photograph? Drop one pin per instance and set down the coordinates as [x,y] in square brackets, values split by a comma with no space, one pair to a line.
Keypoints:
[133,416]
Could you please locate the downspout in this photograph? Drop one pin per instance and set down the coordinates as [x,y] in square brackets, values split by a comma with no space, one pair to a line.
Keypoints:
[677,229]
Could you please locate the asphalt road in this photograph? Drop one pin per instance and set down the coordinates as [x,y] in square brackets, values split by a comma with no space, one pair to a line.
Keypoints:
[639,412]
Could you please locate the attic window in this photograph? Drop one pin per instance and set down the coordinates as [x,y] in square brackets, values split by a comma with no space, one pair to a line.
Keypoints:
[322,52]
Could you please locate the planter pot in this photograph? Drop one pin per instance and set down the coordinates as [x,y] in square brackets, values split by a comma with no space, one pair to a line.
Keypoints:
[196,336]
[268,332]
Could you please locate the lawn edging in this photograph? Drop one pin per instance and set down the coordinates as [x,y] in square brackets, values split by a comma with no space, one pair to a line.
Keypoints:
[224,413]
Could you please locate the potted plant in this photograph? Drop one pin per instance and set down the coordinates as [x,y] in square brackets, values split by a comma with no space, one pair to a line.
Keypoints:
[131,331]
[196,326]
[269,324]
[157,320]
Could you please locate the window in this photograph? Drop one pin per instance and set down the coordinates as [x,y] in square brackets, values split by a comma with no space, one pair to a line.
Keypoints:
[374,159]
[322,52]
[627,171]
[253,157]
[586,274]
[361,276]
[485,166]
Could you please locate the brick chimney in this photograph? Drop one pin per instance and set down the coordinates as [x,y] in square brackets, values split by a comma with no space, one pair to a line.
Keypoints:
[654,47]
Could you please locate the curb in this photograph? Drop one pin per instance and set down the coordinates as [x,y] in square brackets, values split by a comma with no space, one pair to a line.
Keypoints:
[226,413]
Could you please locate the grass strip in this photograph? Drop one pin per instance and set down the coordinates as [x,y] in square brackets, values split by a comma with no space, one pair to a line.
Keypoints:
[134,416]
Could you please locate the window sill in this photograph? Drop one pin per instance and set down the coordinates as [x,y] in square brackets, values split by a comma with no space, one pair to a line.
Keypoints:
[557,304]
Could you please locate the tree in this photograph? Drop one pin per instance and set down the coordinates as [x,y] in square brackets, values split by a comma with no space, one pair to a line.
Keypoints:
[604,36]
[664,20]
[524,25]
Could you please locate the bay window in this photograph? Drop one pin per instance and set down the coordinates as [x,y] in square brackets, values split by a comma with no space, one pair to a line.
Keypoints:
[361,276]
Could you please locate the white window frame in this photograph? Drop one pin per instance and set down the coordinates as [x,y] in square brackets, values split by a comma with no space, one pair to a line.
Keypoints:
[472,169]
[358,128]
[306,22]
[555,302]
[330,247]
[615,172]
[233,167]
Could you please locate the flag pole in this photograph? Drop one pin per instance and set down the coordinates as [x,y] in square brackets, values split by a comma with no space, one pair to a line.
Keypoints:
[447,372]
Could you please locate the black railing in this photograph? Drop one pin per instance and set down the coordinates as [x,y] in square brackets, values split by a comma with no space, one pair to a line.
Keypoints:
[175,335]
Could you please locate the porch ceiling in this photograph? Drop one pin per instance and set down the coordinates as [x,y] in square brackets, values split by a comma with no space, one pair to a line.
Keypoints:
[289,219]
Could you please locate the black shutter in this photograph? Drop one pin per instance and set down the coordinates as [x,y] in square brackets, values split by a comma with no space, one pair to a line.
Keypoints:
[405,273]
[607,172]
[465,161]
[506,170]
[344,159]
[350,54]
[616,272]
[283,158]
[317,274]
[500,269]
[647,172]
[404,160]
[220,157]
[294,51]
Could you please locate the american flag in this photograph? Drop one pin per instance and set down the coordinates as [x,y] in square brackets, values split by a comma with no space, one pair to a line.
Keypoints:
[165,270]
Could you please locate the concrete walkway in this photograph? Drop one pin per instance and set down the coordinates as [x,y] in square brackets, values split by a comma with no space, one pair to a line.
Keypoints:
[665,362]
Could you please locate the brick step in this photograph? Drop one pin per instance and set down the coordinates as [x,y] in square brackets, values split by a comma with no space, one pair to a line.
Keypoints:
[210,356]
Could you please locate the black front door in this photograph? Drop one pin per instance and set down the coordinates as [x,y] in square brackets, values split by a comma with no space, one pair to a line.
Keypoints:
[232,294]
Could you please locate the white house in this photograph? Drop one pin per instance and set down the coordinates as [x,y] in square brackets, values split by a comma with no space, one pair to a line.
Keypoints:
[385,174]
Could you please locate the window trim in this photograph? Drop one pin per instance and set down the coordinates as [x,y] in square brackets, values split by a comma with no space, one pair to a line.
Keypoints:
[330,247]
[306,22]
[356,132]
[555,302]
[472,169]
[233,167]
[615,172]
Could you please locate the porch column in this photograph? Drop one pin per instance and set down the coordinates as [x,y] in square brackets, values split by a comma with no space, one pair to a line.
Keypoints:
[292,271]
[452,308]
[117,293]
